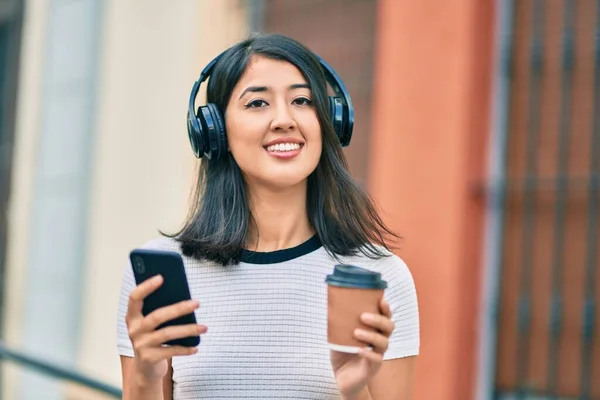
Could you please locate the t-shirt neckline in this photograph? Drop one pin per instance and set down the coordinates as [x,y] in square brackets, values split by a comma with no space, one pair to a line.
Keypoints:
[278,256]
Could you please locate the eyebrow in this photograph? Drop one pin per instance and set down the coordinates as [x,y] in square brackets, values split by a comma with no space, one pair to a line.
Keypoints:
[258,89]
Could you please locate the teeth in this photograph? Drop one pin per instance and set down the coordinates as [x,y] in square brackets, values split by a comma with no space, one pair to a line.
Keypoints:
[284,147]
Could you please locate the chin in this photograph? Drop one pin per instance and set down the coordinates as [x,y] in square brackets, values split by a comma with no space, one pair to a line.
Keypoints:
[279,177]
[282,181]
[285,182]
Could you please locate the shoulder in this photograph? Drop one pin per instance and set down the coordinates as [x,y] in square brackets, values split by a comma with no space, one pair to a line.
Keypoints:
[158,243]
[392,268]
[165,243]
[161,243]
[390,262]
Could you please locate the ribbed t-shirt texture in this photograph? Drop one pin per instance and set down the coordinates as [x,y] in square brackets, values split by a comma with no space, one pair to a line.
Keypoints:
[267,323]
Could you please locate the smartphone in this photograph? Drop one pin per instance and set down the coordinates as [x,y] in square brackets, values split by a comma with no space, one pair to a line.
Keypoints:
[148,263]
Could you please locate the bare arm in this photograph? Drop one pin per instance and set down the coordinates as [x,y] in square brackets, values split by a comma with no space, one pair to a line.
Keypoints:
[149,374]
[395,380]
[136,388]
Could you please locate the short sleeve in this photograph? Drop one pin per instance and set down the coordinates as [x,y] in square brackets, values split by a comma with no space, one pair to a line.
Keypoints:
[124,345]
[402,298]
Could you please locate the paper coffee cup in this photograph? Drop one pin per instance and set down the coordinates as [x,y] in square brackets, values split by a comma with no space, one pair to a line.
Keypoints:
[351,292]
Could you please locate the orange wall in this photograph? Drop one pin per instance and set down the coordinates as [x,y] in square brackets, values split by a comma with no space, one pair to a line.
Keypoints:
[428,145]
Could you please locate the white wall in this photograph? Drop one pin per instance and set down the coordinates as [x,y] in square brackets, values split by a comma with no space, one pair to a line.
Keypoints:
[144,171]
[143,166]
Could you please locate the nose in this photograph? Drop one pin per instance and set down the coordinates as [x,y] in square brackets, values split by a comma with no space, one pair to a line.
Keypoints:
[283,120]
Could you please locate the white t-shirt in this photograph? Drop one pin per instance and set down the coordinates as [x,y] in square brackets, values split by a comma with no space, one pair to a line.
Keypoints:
[267,323]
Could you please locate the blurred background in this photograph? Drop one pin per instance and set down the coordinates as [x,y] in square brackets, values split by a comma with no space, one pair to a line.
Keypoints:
[477,133]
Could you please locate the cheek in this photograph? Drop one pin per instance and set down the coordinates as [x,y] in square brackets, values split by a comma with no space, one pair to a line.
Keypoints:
[316,157]
[243,136]
[312,134]
[244,151]
[244,142]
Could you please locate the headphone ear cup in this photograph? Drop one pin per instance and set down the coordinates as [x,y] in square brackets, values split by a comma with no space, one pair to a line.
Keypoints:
[212,131]
[194,128]
[219,140]
[336,113]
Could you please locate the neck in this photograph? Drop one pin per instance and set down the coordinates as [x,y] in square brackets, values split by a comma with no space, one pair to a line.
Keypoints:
[280,216]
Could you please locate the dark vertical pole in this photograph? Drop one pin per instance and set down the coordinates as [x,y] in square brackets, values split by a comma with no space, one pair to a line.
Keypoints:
[10,30]
[593,227]
[524,303]
[561,189]
[10,49]
[497,194]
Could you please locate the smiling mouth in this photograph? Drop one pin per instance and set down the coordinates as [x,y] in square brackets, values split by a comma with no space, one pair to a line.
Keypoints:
[283,147]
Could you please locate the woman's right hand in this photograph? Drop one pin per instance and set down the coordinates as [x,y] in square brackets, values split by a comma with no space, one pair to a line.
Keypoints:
[149,354]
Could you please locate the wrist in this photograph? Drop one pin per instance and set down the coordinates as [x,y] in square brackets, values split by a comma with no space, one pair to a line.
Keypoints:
[141,379]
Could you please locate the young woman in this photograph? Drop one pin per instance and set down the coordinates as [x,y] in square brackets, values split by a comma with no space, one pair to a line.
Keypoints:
[275,210]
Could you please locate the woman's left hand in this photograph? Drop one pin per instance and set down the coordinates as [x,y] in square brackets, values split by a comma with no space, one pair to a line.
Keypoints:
[354,371]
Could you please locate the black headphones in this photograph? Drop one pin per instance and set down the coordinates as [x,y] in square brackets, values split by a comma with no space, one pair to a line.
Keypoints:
[206,128]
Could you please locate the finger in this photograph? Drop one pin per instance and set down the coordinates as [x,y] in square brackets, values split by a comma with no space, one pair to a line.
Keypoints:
[154,355]
[140,292]
[168,313]
[379,342]
[169,333]
[373,357]
[385,309]
[380,323]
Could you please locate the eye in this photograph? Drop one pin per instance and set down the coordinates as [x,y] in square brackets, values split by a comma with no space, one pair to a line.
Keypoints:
[302,101]
[256,104]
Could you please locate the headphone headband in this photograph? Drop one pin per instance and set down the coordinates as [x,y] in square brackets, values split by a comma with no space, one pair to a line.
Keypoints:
[207,71]
[341,110]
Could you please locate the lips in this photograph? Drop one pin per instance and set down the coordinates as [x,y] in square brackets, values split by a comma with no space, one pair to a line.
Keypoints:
[284,140]
[284,147]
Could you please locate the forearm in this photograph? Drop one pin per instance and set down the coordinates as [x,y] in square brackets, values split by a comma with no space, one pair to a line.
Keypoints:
[141,389]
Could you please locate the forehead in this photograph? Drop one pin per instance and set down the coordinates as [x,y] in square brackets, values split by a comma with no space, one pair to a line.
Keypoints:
[264,71]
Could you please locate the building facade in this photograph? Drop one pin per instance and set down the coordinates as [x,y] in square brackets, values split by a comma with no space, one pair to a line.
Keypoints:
[476,134]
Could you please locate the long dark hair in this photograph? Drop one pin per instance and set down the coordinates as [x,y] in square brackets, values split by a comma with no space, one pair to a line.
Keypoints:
[338,208]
